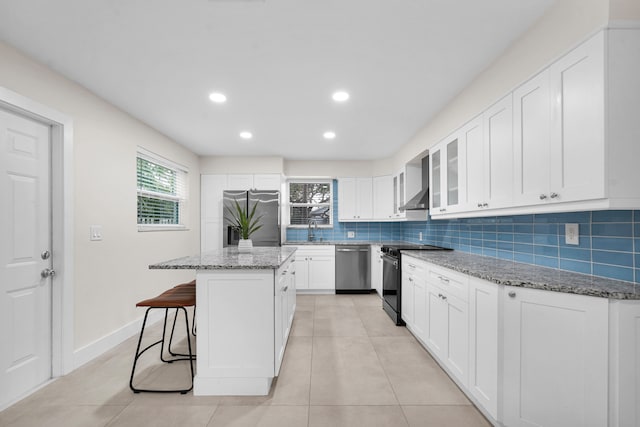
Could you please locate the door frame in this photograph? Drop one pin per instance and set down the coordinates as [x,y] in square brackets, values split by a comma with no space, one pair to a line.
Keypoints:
[61,141]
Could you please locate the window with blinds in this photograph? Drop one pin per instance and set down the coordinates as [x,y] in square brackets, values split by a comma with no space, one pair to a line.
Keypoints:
[162,192]
[310,202]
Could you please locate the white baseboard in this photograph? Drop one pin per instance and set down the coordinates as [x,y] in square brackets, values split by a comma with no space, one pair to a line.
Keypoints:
[100,346]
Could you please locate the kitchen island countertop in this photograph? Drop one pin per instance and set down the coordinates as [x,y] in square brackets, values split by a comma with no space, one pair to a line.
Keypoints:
[510,273]
[260,258]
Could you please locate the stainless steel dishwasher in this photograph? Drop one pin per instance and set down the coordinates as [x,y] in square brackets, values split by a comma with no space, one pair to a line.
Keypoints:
[352,269]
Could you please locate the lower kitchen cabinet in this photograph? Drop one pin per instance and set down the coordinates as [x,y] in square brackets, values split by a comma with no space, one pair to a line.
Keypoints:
[315,268]
[483,343]
[555,359]
[376,269]
[284,309]
[528,357]
[447,333]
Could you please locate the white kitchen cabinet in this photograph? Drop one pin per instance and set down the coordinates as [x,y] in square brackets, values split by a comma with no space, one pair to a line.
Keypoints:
[472,168]
[268,181]
[406,183]
[211,215]
[383,198]
[284,309]
[376,269]
[532,141]
[555,359]
[559,139]
[577,154]
[447,332]
[414,299]
[239,182]
[570,144]
[355,199]
[483,343]
[254,181]
[624,367]
[315,268]
[447,189]
[498,154]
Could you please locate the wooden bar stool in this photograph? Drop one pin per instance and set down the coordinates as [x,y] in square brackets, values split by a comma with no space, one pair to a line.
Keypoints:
[180,300]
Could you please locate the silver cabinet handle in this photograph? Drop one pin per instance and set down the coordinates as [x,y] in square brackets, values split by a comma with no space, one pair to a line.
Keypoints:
[479,205]
[444,279]
[444,297]
[553,195]
[443,210]
[411,265]
[543,196]
[285,288]
[293,273]
[45,255]
[512,294]
[410,279]
[485,205]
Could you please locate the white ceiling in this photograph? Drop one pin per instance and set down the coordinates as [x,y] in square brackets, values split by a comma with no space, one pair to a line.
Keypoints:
[278,61]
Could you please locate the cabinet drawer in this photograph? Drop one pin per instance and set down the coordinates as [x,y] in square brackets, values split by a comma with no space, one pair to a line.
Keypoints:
[413,267]
[452,282]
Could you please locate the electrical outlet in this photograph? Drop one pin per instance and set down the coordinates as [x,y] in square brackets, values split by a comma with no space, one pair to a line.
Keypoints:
[351,234]
[571,234]
[420,236]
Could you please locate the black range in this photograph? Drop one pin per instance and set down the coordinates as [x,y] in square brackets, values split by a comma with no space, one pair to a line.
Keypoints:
[392,276]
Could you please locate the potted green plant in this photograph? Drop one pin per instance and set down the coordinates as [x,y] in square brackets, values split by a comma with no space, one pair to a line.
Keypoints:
[245,222]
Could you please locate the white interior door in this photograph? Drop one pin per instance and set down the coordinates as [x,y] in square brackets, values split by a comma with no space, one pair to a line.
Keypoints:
[25,246]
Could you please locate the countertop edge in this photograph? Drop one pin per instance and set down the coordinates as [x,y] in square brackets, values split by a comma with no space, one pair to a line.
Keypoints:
[600,291]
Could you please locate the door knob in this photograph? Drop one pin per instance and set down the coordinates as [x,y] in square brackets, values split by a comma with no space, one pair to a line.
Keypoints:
[47,272]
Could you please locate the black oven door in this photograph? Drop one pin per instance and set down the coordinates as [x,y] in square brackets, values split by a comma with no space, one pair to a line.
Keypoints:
[391,282]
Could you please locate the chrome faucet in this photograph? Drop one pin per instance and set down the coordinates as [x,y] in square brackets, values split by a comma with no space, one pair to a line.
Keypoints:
[313,225]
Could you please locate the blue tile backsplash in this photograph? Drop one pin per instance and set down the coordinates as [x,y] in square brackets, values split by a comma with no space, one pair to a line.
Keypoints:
[609,244]
[609,240]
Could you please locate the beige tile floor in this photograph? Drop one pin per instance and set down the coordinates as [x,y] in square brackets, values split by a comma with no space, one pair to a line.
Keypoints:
[346,364]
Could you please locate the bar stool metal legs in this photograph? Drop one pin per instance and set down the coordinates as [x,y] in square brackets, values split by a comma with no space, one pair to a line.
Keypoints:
[190,357]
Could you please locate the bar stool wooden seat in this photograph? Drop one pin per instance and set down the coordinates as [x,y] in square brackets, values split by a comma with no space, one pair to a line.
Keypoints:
[175,298]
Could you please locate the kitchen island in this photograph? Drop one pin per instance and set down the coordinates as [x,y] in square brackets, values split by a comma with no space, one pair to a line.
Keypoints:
[245,308]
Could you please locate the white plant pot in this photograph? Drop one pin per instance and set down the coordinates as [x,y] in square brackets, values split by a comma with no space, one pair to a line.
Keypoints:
[245,245]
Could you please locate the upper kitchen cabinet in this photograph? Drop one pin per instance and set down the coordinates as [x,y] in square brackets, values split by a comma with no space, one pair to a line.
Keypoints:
[243,182]
[471,169]
[567,139]
[498,154]
[559,138]
[355,199]
[211,188]
[407,183]
[383,197]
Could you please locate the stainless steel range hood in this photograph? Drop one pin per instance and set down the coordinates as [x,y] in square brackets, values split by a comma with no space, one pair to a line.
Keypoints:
[420,201]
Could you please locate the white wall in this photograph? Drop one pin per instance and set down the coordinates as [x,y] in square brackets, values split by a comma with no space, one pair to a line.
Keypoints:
[111,275]
[565,25]
[227,165]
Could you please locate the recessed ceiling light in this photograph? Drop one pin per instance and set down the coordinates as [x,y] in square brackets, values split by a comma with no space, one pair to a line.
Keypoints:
[329,135]
[246,135]
[340,96]
[218,98]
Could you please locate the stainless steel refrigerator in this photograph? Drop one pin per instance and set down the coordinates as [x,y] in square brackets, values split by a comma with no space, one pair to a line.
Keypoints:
[268,207]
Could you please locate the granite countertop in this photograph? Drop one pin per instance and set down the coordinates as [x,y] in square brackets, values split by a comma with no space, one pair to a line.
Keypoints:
[512,273]
[260,258]
[340,242]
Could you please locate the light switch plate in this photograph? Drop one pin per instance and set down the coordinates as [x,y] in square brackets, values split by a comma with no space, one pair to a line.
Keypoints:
[95,233]
[571,234]
[420,236]
[351,234]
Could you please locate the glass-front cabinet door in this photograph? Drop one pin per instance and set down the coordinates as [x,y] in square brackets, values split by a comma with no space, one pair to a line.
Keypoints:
[452,173]
[436,180]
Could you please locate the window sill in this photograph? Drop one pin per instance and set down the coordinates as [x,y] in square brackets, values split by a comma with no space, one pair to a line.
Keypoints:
[150,227]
